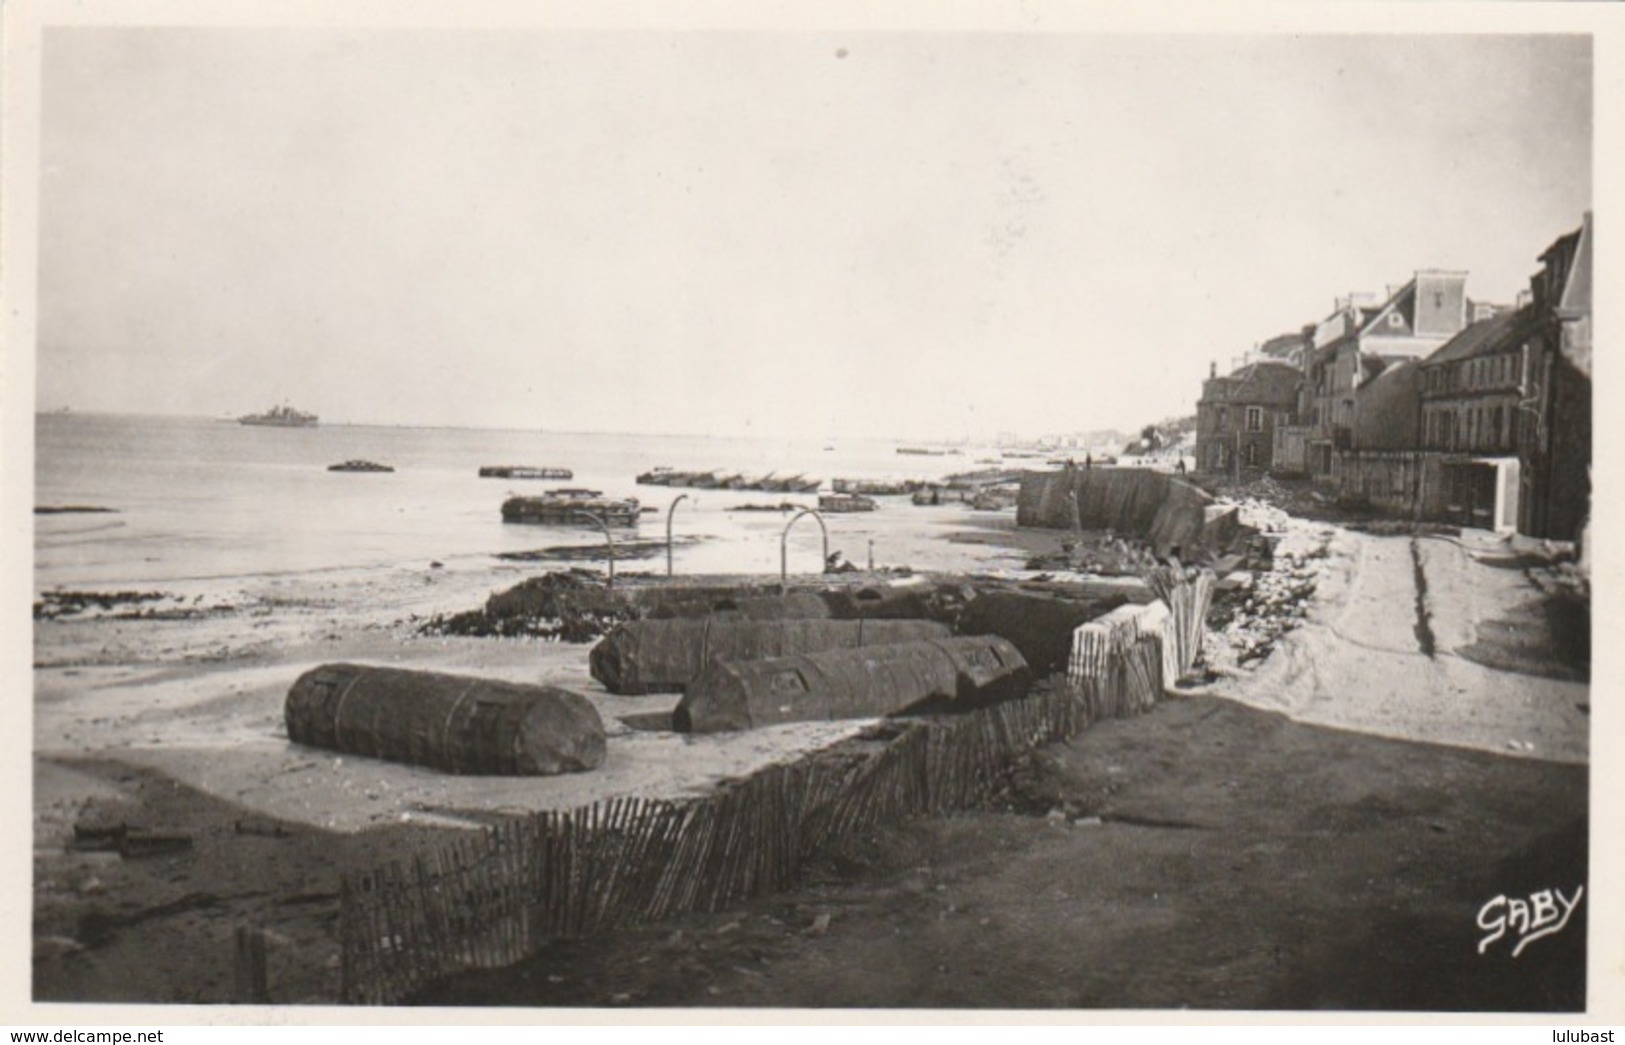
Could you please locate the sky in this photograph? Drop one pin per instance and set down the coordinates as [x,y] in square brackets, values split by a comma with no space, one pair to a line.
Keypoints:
[774,233]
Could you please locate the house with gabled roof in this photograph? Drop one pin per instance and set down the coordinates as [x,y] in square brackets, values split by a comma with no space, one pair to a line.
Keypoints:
[1362,337]
[1471,390]
[1238,414]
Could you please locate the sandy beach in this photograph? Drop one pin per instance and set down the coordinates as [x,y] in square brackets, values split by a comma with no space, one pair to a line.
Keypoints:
[177,695]
[173,722]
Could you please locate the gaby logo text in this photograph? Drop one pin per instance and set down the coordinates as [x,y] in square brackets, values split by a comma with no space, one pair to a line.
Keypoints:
[1543,914]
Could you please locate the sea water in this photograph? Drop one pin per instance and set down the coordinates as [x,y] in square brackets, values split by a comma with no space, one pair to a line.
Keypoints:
[205,500]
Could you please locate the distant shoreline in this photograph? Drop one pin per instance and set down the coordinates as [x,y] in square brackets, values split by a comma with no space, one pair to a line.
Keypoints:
[990,443]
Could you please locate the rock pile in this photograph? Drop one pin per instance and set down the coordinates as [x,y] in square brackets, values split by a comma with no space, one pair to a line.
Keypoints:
[1105,555]
[1251,614]
[1260,514]
[574,606]
[1297,497]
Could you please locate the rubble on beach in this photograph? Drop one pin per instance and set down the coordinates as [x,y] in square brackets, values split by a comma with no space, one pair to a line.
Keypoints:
[1249,616]
[1255,606]
[571,606]
[123,605]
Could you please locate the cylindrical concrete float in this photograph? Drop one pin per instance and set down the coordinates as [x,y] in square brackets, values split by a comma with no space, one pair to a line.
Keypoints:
[1041,626]
[881,602]
[794,606]
[853,683]
[663,656]
[447,722]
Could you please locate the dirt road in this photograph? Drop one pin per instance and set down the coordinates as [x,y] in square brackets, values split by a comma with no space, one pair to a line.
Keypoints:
[1436,639]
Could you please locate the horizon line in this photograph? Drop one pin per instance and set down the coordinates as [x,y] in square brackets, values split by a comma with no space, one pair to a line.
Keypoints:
[68,411]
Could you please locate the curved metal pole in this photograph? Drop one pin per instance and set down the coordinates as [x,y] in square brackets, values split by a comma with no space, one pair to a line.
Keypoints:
[609,539]
[669,511]
[784,554]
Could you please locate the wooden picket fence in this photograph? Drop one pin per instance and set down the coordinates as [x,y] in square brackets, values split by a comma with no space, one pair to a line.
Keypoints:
[498,897]
[1188,594]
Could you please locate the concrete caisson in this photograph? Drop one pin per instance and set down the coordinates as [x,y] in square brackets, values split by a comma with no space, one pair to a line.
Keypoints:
[447,722]
[853,683]
[664,656]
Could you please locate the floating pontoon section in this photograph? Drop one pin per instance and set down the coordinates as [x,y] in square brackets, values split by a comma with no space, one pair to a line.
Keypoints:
[874,681]
[447,722]
[663,656]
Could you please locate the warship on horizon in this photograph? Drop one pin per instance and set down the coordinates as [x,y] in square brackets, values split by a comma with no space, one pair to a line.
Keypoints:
[280,417]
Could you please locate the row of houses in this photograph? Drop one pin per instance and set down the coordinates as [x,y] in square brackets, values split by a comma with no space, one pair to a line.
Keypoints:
[1426,404]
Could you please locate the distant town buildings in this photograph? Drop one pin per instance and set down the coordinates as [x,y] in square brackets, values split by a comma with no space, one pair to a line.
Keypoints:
[1425,403]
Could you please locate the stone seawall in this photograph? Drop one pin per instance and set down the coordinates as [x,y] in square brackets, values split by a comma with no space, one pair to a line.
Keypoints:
[1154,506]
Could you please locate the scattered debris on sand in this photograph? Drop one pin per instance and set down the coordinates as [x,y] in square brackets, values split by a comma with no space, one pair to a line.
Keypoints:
[572,606]
[1256,608]
[1270,594]
[782,506]
[624,549]
[73,605]
[1100,555]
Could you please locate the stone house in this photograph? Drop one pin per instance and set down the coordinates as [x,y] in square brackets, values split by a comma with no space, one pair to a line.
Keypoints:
[1238,414]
